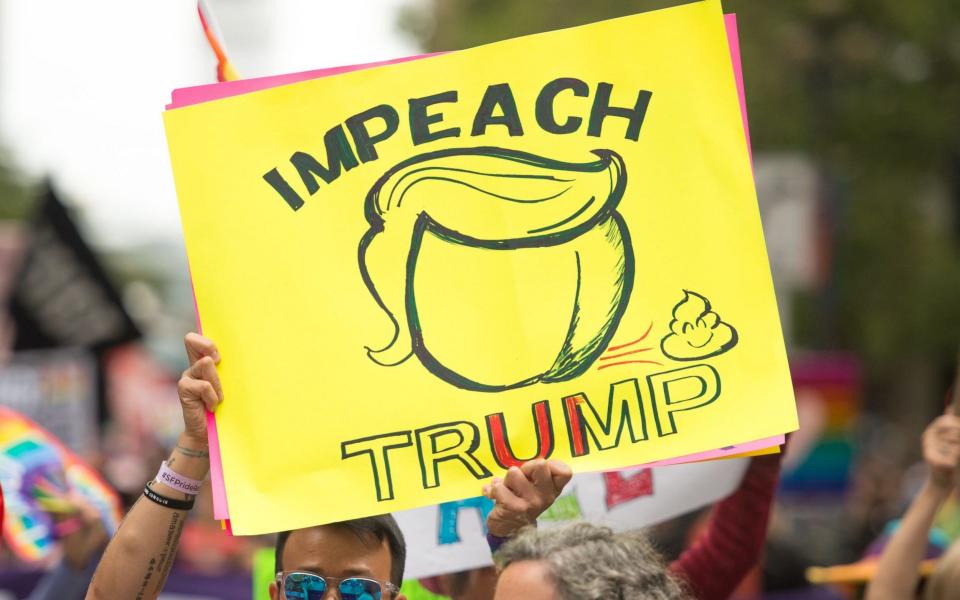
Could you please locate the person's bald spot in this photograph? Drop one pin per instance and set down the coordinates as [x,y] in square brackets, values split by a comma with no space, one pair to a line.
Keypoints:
[526,580]
[336,551]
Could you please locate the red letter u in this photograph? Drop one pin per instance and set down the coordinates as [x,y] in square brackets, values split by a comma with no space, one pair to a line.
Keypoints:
[500,442]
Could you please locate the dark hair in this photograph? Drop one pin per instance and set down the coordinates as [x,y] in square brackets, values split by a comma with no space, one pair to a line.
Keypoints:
[380,527]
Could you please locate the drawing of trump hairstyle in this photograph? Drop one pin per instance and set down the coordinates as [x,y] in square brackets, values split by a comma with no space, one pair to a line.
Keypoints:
[497,200]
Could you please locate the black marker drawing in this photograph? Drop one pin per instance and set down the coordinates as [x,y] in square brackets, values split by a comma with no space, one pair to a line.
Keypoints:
[500,200]
[696,332]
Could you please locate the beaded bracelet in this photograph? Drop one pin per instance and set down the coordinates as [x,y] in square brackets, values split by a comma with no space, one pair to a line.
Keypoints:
[171,503]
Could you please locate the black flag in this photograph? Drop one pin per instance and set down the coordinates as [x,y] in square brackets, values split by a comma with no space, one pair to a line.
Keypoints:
[62,296]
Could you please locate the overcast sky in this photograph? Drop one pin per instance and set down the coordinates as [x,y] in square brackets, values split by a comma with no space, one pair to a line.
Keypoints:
[82,86]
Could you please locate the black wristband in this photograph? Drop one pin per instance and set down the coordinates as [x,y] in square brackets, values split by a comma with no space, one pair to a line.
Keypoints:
[171,503]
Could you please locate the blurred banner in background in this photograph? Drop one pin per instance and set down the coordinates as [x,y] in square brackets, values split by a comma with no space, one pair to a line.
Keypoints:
[821,453]
[57,388]
[62,296]
[451,536]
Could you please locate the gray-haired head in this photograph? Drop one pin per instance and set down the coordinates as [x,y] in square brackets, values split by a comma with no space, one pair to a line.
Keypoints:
[588,562]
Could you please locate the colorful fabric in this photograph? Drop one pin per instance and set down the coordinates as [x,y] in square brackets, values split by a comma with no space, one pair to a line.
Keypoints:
[39,477]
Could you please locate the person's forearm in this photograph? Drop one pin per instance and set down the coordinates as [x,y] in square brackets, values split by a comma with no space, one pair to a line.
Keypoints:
[898,571]
[733,542]
[139,557]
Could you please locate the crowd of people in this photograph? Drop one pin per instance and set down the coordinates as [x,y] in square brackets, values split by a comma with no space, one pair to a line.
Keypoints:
[364,558]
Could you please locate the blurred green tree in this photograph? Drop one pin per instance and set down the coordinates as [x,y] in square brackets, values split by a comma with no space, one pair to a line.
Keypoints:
[870,90]
[16,195]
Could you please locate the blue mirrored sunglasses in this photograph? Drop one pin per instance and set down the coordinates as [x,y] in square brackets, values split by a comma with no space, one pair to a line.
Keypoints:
[301,585]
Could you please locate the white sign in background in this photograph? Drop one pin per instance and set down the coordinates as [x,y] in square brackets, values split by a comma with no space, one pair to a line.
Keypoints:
[451,537]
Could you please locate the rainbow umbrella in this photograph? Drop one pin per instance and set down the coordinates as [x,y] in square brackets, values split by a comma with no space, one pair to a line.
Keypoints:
[38,475]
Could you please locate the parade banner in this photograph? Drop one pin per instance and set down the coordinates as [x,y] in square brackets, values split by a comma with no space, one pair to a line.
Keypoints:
[205,93]
[62,296]
[398,262]
[452,536]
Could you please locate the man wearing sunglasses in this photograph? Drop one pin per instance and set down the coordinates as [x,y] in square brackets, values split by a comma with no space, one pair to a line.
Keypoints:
[360,559]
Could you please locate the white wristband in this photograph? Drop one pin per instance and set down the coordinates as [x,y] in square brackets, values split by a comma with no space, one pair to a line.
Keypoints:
[170,478]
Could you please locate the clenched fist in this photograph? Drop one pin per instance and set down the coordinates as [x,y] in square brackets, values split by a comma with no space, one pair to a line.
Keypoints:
[199,387]
[524,494]
[941,450]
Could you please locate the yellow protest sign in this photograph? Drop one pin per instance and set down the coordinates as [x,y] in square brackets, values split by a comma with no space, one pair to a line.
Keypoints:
[420,274]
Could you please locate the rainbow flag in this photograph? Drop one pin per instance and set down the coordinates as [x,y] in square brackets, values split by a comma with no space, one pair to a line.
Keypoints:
[37,475]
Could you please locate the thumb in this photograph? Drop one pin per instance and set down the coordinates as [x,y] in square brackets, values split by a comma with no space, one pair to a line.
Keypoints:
[561,473]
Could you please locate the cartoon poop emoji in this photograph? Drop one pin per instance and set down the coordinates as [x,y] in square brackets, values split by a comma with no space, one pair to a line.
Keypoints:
[696,332]
[498,268]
